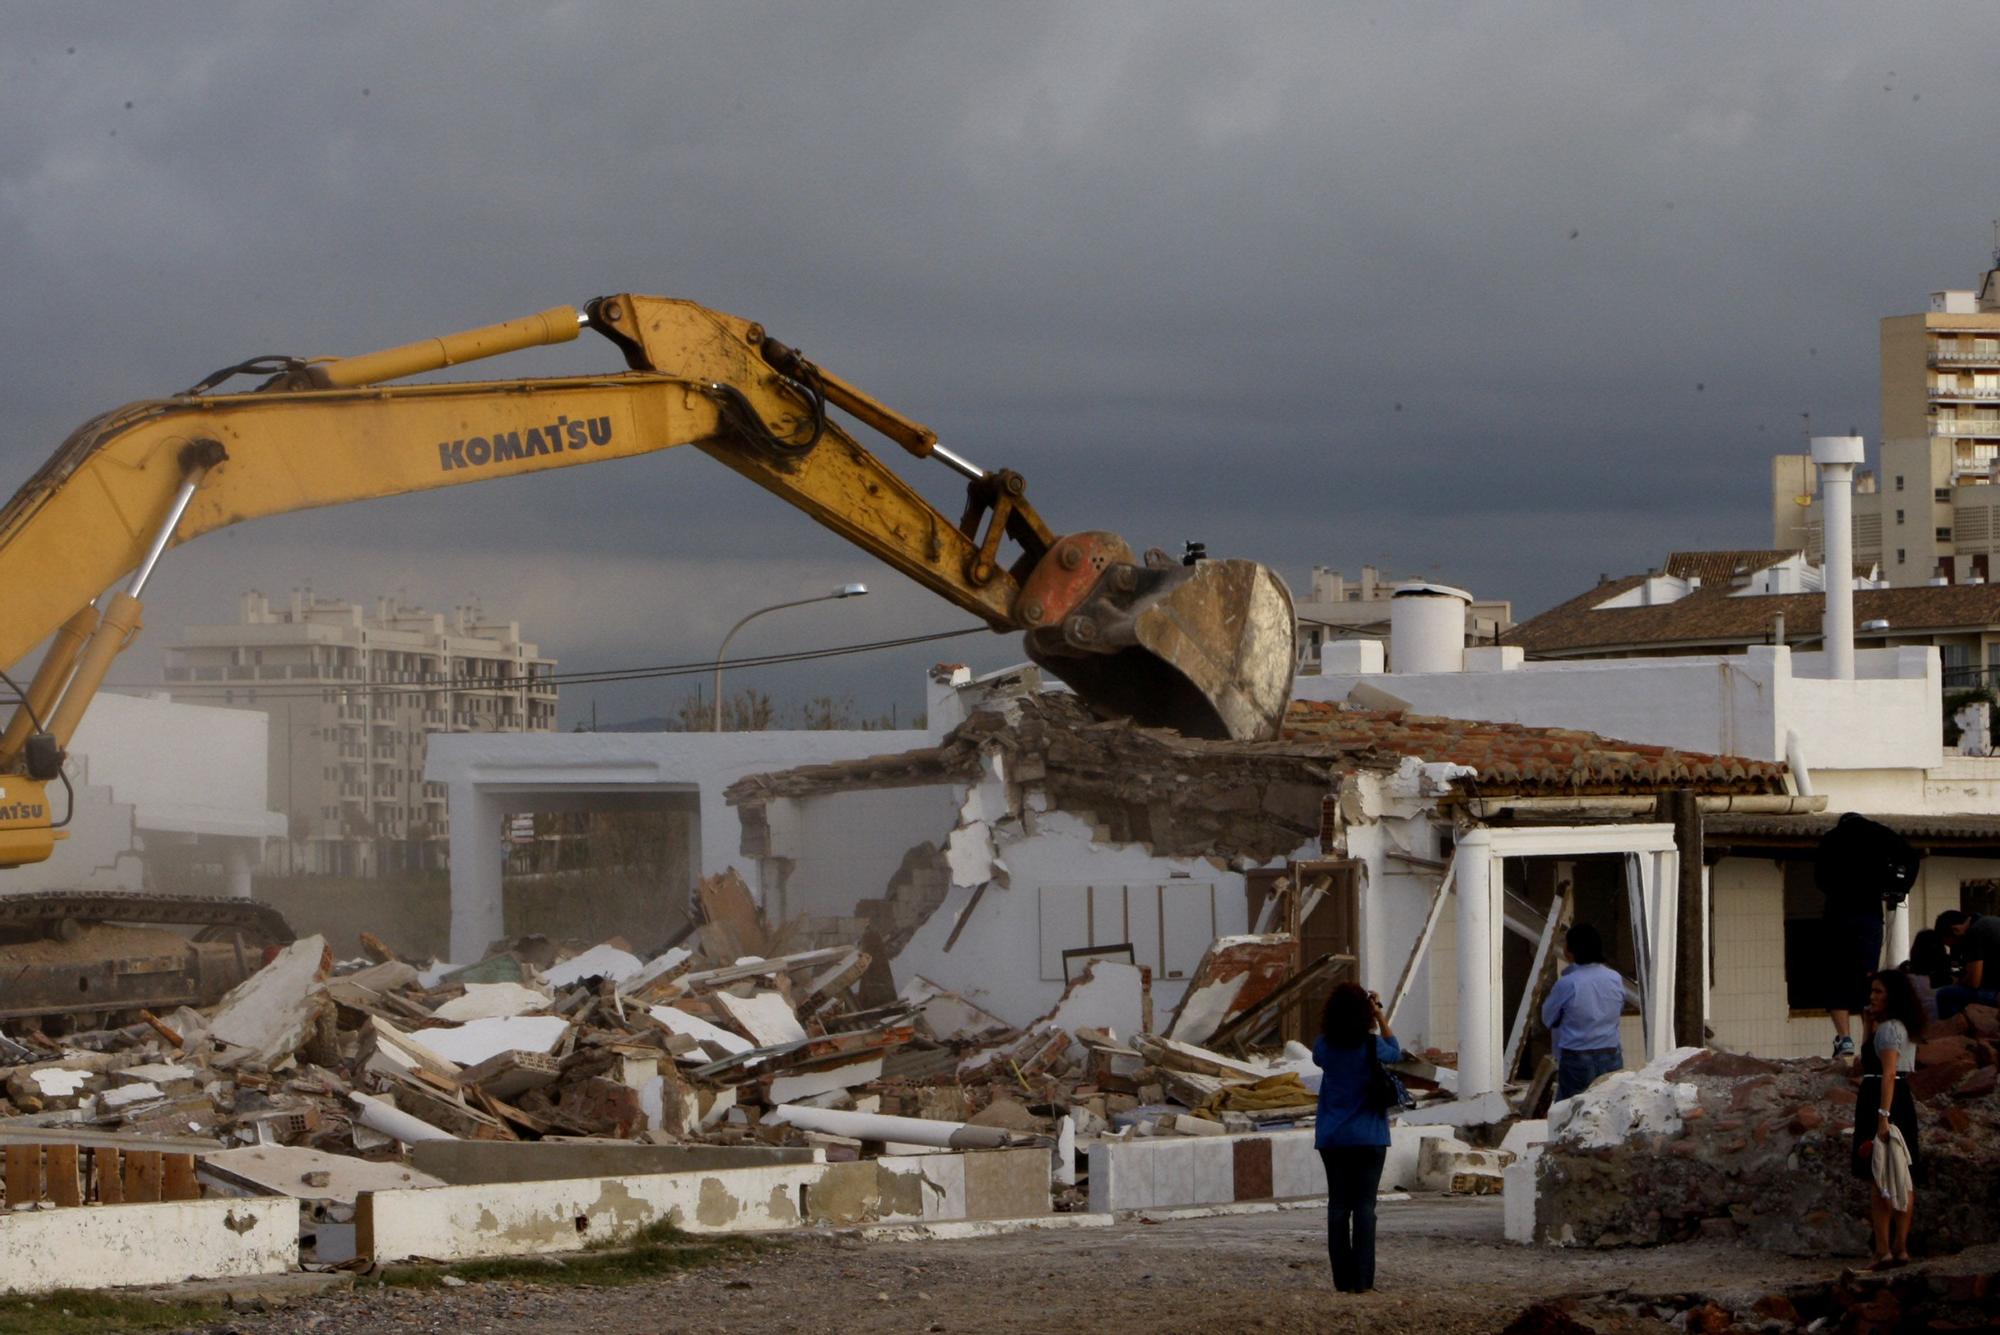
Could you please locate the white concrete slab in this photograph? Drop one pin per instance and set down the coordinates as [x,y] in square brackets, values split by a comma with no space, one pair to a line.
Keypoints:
[708,1035]
[268,1012]
[598,962]
[806,1084]
[294,1170]
[493,1001]
[105,1246]
[765,1016]
[471,1044]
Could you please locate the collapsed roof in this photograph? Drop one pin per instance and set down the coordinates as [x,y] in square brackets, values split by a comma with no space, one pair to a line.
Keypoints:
[1192,797]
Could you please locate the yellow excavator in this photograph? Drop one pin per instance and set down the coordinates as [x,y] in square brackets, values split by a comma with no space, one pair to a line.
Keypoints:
[1205,647]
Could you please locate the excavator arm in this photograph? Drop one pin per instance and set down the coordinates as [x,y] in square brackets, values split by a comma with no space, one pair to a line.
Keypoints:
[1206,648]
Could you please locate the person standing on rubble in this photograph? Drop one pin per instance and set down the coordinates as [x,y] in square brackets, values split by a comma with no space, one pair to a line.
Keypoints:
[1885,1115]
[1582,1013]
[1352,1127]
[1863,868]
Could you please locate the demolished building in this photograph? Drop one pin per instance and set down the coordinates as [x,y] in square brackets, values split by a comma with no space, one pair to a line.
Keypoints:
[1077,838]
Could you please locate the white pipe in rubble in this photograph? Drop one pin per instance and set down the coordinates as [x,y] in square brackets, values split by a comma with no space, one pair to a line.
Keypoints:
[1837,457]
[380,1115]
[1480,917]
[900,1130]
[1065,1168]
[1795,761]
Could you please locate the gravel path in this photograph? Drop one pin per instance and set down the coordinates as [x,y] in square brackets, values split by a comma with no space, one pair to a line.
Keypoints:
[1443,1268]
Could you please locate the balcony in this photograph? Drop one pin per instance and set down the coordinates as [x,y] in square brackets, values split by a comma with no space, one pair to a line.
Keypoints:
[1959,355]
[1976,394]
[1966,426]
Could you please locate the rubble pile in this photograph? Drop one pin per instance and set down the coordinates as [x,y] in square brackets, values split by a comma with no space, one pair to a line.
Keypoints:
[311,1071]
[1714,1144]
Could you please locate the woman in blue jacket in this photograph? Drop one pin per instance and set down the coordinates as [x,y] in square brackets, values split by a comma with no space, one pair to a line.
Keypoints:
[1352,1130]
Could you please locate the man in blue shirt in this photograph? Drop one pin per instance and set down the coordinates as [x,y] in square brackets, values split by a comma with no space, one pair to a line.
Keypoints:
[1582,1013]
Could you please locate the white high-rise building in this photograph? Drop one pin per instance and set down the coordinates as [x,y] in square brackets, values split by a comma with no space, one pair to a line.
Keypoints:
[352,695]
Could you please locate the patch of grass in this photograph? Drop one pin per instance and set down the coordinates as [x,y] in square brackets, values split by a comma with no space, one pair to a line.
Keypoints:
[74,1312]
[655,1250]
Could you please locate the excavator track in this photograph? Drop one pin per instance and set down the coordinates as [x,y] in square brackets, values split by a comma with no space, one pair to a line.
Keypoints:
[258,922]
[72,960]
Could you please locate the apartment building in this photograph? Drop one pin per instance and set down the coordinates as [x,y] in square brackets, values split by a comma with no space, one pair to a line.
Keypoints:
[1927,514]
[352,694]
[1337,608]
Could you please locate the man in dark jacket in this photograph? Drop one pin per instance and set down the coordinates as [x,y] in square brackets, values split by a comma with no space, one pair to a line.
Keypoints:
[1860,867]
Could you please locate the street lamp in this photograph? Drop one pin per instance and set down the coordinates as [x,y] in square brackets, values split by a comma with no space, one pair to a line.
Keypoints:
[844,591]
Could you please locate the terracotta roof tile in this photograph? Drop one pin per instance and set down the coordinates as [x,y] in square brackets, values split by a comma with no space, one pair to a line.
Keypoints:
[1711,618]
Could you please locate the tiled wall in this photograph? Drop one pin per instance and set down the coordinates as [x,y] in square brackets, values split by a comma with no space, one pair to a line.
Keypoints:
[1748,1008]
[1162,1172]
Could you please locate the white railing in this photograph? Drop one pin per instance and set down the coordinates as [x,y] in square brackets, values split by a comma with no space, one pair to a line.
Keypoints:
[1966,426]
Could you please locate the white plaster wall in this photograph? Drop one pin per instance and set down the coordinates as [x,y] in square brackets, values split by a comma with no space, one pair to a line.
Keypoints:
[1748,1007]
[1963,784]
[1723,704]
[1734,704]
[188,769]
[844,847]
[996,962]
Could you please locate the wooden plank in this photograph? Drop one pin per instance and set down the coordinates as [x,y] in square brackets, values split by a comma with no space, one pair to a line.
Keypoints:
[1254,1020]
[142,1176]
[177,1178]
[107,1165]
[1423,939]
[1541,977]
[65,1182]
[726,903]
[24,1175]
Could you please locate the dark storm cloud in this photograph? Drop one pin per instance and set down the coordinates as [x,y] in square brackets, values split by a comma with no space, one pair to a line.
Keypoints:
[1508,294]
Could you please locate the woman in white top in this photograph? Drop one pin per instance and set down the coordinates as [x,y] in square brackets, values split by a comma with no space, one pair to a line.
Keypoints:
[1888,1054]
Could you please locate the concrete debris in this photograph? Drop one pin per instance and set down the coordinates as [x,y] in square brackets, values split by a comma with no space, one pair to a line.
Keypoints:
[1713,1144]
[742,1045]
[493,1001]
[268,1015]
[605,961]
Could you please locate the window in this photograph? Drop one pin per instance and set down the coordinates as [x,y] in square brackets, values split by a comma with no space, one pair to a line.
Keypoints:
[1899,482]
[1944,535]
[1900,557]
[1957,664]
[1806,955]
[1899,516]
[1942,495]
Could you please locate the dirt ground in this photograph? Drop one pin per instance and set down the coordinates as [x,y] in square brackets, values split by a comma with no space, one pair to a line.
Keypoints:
[1443,1267]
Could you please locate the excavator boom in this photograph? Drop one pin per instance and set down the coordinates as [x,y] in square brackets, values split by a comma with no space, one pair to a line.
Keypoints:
[1206,648]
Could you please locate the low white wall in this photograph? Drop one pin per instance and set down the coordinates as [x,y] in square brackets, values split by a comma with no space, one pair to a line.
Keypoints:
[1732,704]
[110,1246]
[144,750]
[528,1218]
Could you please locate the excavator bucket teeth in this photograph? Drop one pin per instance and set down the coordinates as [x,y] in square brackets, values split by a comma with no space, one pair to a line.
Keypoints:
[1207,650]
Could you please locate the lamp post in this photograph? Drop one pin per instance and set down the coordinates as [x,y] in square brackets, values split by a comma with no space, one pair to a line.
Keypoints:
[844,591]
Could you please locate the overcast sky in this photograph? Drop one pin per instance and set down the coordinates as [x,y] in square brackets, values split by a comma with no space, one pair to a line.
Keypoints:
[1507,295]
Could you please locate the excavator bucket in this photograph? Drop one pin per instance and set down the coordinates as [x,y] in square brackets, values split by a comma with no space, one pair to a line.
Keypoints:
[1205,649]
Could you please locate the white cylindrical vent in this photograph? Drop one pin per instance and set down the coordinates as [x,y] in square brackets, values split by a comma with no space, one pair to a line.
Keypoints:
[1836,457]
[1427,628]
